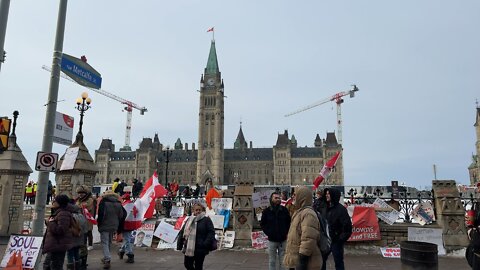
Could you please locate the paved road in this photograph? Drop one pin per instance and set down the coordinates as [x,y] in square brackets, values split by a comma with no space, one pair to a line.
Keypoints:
[227,259]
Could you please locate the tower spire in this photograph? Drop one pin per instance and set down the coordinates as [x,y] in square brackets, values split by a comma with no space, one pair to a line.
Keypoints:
[212,63]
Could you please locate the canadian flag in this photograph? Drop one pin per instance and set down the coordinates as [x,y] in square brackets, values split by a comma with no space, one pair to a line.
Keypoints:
[211,29]
[89,216]
[145,204]
[326,170]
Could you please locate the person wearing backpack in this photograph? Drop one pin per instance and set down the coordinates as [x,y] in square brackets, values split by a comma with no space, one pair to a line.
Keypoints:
[59,236]
[340,227]
[302,250]
[110,214]
[275,223]
[85,200]
[74,260]
[196,238]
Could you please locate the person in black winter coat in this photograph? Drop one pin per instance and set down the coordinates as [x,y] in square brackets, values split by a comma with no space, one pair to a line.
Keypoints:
[196,238]
[137,188]
[319,203]
[340,227]
[275,224]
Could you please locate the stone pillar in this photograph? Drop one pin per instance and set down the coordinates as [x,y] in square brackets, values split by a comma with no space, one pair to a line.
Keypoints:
[450,214]
[243,213]
[83,172]
[14,173]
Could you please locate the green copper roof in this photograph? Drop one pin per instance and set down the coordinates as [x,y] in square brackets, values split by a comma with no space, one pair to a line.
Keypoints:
[212,63]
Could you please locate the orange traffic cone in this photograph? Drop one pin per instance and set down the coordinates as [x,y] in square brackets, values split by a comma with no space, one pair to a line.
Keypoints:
[15,262]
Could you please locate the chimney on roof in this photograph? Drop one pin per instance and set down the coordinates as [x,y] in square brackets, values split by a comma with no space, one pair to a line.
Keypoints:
[186,146]
[251,145]
[193,146]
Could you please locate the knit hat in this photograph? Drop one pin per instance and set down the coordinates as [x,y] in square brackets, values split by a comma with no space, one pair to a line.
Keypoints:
[83,189]
[62,200]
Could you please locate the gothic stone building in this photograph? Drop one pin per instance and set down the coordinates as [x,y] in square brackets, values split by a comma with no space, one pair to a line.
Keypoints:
[283,164]
[474,168]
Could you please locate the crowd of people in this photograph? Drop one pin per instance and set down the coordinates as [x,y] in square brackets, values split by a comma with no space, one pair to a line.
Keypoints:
[293,229]
[31,191]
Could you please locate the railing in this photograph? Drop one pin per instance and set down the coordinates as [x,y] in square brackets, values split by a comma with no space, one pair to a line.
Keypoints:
[405,203]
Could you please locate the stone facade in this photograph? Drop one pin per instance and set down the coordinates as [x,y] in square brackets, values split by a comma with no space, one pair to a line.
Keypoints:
[14,173]
[283,164]
[83,172]
[474,168]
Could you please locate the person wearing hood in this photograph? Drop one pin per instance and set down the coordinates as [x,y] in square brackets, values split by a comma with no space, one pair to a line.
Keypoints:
[275,223]
[340,227]
[85,200]
[302,252]
[110,215]
[59,236]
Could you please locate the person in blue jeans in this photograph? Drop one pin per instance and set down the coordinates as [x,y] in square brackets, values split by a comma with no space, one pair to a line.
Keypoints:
[275,224]
[127,228]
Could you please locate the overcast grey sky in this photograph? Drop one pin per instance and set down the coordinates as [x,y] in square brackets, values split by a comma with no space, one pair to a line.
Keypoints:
[416,64]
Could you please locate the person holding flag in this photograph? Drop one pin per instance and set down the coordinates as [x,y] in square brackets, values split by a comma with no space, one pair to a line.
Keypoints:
[127,246]
[86,201]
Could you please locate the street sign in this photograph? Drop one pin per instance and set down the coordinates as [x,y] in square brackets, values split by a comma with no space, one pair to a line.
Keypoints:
[63,132]
[81,72]
[46,162]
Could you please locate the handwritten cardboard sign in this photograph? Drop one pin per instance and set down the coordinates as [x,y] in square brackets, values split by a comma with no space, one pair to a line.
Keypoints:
[217,221]
[390,252]
[228,239]
[166,232]
[388,216]
[222,203]
[177,211]
[28,246]
[261,199]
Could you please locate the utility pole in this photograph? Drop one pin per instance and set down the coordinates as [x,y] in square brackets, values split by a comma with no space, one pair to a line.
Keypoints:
[4,8]
[42,184]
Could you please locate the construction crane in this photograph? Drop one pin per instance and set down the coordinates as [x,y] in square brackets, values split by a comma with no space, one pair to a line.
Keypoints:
[338,98]
[128,108]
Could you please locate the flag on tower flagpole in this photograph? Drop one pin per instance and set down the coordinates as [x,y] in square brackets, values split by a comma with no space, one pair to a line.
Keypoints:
[211,29]
[145,204]
[326,170]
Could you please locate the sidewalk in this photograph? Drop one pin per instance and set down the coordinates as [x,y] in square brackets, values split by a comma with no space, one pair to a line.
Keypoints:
[148,258]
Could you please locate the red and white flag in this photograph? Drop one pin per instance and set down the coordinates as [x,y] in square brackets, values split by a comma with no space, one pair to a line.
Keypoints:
[211,29]
[326,170]
[145,204]
[89,216]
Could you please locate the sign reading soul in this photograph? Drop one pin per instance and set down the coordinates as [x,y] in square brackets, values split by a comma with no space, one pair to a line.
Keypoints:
[29,246]
[81,72]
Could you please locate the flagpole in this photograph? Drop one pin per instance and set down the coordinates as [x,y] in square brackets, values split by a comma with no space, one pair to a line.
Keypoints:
[213,34]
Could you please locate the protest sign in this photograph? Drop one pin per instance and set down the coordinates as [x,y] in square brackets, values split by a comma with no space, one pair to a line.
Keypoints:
[428,235]
[364,224]
[259,240]
[166,232]
[388,216]
[164,245]
[96,235]
[222,203]
[261,198]
[217,221]
[423,213]
[228,239]
[200,201]
[390,252]
[180,222]
[144,235]
[177,211]
[69,158]
[28,246]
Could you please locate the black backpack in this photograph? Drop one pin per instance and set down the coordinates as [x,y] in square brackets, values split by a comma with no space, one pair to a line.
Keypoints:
[324,243]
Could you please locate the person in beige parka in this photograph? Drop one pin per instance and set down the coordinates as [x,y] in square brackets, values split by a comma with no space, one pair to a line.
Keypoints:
[302,252]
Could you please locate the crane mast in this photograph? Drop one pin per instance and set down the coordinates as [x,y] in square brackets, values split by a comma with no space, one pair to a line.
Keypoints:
[338,98]
[129,107]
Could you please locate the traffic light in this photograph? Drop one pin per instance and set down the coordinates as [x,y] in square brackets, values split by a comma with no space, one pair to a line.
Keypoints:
[4,133]
[4,56]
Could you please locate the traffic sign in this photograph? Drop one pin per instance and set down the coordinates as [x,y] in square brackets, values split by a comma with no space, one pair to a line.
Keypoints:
[81,72]
[46,162]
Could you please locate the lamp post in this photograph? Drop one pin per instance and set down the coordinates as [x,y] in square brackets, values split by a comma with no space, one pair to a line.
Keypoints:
[83,104]
[167,155]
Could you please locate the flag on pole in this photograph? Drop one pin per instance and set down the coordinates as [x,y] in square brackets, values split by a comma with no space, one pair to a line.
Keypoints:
[326,170]
[145,204]
[211,29]
[89,216]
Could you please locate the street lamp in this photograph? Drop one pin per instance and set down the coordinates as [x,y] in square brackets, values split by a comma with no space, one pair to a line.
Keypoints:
[167,155]
[83,104]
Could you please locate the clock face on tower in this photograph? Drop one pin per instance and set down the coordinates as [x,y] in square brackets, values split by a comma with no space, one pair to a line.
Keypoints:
[211,81]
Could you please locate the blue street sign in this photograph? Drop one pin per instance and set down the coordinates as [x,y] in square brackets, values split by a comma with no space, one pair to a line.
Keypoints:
[81,72]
